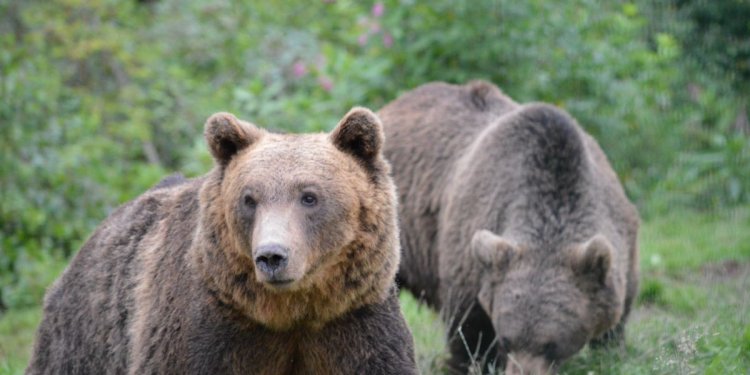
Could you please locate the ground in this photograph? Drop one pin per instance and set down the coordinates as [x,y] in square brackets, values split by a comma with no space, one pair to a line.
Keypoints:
[692,315]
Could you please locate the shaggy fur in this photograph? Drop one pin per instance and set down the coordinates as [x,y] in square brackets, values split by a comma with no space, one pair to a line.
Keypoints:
[513,224]
[170,283]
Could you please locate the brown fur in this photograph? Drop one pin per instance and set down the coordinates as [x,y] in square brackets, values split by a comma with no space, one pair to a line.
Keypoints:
[170,283]
[513,224]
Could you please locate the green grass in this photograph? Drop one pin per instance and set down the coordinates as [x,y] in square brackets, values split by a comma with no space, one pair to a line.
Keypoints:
[17,328]
[685,241]
[692,315]
[428,330]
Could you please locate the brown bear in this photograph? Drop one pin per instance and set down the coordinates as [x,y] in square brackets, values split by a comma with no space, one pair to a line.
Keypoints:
[281,260]
[513,224]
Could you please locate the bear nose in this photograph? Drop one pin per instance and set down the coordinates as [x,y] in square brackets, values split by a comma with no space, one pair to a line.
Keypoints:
[271,258]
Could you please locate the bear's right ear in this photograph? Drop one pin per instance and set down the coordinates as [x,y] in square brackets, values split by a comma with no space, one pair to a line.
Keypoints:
[491,250]
[594,259]
[226,135]
[359,134]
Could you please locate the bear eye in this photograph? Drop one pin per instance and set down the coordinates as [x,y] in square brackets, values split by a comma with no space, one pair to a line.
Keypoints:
[249,201]
[309,199]
[549,350]
[504,344]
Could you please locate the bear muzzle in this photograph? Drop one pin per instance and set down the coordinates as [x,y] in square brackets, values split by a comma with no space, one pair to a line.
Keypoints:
[527,364]
[271,265]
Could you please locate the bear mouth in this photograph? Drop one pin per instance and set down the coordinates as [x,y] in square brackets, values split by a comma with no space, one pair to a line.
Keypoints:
[280,284]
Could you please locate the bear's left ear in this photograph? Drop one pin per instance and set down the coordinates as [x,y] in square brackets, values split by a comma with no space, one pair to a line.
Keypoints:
[226,136]
[359,134]
[594,259]
[492,251]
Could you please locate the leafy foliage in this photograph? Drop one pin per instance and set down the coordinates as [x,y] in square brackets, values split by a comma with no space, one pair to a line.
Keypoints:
[718,35]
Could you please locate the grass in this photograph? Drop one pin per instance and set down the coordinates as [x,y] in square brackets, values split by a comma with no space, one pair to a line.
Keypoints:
[17,328]
[692,315]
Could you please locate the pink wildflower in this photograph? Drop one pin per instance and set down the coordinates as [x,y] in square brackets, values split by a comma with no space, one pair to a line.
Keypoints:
[299,69]
[362,40]
[387,40]
[325,83]
[378,9]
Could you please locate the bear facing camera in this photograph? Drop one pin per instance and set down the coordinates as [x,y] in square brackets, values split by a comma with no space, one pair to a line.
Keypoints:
[280,260]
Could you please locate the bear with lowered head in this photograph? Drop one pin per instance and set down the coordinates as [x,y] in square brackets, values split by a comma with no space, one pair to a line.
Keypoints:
[513,224]
[281,260]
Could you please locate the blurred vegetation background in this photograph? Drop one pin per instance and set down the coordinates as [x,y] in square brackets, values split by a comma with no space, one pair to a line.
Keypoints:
[99,99]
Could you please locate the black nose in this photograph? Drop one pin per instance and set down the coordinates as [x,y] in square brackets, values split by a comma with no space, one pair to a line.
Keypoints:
[271,259]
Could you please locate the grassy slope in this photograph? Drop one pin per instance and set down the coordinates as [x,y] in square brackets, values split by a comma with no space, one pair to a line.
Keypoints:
[693,314]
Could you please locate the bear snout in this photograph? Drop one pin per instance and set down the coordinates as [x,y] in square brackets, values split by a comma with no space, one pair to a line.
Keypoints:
[271,262]
[527,364]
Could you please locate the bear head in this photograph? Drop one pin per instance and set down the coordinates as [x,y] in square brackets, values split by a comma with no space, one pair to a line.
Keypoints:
[298,228]
[545,308]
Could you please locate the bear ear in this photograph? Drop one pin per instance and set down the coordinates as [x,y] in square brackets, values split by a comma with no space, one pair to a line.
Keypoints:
[226,135]
[491,250]
[594,259]
[359,134]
